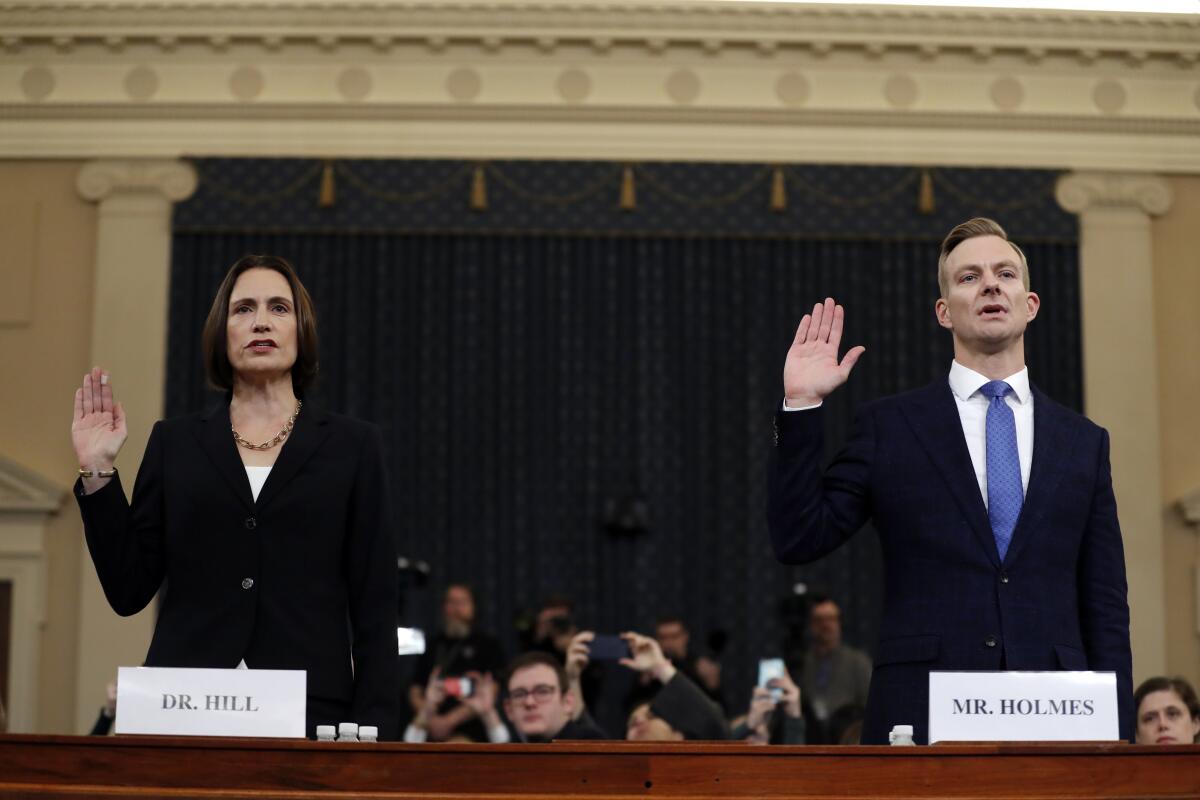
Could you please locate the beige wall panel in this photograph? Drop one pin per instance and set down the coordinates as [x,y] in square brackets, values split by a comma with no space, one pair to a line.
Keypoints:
[19,233]
[1177,287]
[60,641]
[42,362]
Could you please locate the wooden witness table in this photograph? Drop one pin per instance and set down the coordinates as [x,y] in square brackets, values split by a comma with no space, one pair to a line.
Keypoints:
[193,767]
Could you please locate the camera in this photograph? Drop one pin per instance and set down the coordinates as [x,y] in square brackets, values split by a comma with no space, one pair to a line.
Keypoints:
[458,687]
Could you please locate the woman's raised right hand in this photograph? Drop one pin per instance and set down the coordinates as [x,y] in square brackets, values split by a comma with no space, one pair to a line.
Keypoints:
[98,427]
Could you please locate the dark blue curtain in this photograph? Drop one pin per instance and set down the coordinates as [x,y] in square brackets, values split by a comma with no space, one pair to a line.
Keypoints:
[532,385]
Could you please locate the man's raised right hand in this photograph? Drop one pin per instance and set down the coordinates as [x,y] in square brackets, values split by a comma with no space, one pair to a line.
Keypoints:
[811,371]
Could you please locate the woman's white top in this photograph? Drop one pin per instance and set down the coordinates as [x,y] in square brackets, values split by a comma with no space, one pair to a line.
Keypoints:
[257,476]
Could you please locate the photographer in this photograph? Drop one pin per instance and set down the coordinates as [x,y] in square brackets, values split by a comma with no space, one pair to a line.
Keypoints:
[674,638]
[775,716]
[679,710]
[553,626]
[458,650]
[479,700]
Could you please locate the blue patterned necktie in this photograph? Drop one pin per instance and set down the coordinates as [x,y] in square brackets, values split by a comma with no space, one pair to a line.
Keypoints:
[1005,495]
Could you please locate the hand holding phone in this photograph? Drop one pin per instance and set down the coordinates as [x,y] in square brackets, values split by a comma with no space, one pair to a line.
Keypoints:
[458,687]
[768,670]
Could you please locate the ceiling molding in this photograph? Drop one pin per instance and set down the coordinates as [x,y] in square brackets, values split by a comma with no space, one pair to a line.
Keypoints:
[397,78]
[712,26]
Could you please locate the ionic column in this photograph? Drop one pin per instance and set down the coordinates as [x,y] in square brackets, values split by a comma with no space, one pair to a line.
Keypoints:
[1120,371]
[129,339]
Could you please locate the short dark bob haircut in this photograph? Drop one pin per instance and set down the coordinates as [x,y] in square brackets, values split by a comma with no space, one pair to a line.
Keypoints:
[213,342]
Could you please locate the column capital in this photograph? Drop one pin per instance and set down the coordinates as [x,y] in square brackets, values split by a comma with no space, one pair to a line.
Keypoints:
[1190,506]
[174,180]
[1078,192]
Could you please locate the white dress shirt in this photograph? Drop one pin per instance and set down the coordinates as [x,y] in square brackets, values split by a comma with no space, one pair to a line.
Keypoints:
[972,412]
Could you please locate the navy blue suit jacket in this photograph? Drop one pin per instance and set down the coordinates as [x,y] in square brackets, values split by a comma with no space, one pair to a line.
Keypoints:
[1058,599]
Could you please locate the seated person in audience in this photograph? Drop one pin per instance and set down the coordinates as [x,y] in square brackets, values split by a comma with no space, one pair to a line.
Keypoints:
[480,702]
[540,702]
[674,638]
[775,716]
[1166,712]
[834,674]
[643,725]
[456,650]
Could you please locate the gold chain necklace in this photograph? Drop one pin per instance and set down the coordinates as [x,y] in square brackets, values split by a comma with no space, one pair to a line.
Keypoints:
[279,437]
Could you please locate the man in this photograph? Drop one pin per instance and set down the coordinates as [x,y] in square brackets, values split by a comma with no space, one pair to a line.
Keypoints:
[554,626]
[834,675]
[540,704]
[994,504]
[674,638]
[456,650]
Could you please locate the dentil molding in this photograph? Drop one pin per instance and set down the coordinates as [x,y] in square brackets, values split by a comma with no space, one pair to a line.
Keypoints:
[711,24]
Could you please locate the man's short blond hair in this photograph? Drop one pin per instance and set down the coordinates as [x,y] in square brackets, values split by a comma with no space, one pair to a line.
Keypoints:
[977,226]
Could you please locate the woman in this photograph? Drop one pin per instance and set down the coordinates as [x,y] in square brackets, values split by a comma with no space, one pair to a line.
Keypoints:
[267,519]
[1168,712]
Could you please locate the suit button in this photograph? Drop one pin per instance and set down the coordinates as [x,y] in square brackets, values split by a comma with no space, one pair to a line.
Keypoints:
[247,583]
[988,642]
[1004,577]
[251,523]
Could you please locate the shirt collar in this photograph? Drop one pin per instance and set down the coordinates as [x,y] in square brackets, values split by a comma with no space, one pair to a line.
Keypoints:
[965,382]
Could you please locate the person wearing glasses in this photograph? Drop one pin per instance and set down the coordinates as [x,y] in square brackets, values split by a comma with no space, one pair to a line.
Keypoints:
[540,703]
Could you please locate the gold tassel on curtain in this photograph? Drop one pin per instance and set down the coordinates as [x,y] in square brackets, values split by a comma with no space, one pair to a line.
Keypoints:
[778,190]
[479,189]
[328,194]
[925,200]
[628,190]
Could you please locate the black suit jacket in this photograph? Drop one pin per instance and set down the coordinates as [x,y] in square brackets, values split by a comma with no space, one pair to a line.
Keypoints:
[684,706]
[1056,601]
[304,578]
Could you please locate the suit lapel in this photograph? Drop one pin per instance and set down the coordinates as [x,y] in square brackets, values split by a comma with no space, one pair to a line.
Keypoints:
[1052,439]
[310,431]
[934,418]
[214,432]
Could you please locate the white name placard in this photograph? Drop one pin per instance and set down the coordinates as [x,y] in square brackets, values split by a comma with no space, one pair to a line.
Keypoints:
[1022,706]
[211,702]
